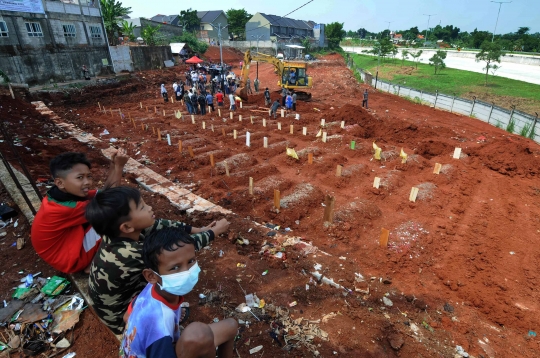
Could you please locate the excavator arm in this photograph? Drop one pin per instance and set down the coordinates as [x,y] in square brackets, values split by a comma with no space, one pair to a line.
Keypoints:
[259,57]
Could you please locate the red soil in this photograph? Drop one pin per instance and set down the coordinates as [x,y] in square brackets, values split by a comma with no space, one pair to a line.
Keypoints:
[466,245]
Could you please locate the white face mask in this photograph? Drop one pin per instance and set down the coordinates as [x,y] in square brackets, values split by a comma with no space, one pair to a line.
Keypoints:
[180,283]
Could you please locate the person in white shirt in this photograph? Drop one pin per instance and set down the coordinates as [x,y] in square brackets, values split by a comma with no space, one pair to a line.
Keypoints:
[232,106]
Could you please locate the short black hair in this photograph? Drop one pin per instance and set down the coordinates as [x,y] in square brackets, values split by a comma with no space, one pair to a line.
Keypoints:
[63,163]
[164,239]
[110,208]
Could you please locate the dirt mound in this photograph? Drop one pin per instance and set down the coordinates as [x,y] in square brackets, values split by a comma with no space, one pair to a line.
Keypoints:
[231,55]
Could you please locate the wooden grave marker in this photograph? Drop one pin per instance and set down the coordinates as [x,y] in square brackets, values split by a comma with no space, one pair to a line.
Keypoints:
[264,122]
[376,182]
[158,135]
[180,146]
[168,139]
[279,126]
[383,241]
[211,160]
[437,168]
[190,149]
[282,112]
[265,142]
[304,131]
[226,168]
[457,153]
[250,186]
[338,170]
[239,118]
[231,114]
[310,158]
[324,137]
[414,193]
[234,134]
[223,131]
[248,139]
[277,200]
[329,202]
[292,129]
[342,124]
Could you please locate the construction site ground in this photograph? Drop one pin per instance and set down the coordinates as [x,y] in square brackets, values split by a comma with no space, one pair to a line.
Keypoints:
[460,268]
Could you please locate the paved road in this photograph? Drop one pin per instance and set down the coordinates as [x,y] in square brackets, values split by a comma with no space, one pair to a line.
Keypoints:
[521,72]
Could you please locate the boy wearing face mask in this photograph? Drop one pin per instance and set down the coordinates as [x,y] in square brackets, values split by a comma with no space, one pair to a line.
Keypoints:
[124,220]
[153,326]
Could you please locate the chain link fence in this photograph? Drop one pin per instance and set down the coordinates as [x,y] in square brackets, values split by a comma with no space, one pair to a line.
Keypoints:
[509,119]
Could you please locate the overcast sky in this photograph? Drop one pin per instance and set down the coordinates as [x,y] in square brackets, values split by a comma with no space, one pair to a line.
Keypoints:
[373,15]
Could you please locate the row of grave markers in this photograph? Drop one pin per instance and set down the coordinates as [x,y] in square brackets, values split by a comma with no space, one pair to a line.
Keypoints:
[329,200]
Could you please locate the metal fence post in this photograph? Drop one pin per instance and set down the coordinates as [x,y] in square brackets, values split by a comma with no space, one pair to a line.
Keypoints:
[533,129]
[491,111]
[436,96]
[453,100]
[511,113]
[472,109]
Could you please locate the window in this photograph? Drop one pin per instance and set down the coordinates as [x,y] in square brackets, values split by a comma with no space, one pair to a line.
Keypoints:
[3,29]
[69,30]
[95,32]
[34,29]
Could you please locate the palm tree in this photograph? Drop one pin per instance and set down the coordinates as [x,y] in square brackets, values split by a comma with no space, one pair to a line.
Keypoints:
[113,12]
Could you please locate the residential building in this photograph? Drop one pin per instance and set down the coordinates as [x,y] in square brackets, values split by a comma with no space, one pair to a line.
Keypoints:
[167,19]
[43,40]
[207,32]
[284,31]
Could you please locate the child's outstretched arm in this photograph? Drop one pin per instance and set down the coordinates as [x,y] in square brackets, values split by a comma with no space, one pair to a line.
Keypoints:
[118,160]
[202,236]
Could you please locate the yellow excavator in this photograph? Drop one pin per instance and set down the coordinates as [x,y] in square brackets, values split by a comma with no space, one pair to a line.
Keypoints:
[292,75]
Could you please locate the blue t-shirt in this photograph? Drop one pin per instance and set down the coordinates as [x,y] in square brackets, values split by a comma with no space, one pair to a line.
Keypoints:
[209,99]
[152,328]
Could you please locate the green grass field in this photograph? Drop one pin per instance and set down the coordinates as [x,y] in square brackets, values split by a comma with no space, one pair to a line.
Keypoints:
[503,91]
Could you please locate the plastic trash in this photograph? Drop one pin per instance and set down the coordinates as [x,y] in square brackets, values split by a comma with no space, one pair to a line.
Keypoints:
[113,140]
[255,350]
[70,355]
[105,132]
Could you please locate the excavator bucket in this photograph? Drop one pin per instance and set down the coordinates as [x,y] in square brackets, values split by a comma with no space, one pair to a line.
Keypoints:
[242,93]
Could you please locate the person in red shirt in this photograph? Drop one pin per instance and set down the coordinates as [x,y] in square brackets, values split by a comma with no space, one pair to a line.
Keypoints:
[61,235]
[219,98]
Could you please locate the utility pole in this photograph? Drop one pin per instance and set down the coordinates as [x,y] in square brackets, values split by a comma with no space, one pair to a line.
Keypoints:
[258,37]
[219,28]
[429,17]
[496,22]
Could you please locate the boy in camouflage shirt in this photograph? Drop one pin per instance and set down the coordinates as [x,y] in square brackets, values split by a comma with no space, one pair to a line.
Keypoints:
[123,220]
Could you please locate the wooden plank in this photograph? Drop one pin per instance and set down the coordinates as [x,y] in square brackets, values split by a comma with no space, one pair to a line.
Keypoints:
[277,199]
[437,168]
[377,182]
[457,153]
[414,193]
[310,158]
[250,186]
[338,170]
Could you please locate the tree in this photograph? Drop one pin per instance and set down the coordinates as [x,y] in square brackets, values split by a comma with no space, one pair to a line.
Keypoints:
[237,20]
[437,60]
[523,30]
[307,45]
[150,34]
[199,47]
[489,52]
[189,20]
[334,33]
[112,12]
[416,56]
[127,30]
[404,55]
[383,47]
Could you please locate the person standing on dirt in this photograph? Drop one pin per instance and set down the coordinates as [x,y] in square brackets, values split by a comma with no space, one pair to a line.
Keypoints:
[232,105]
[187,101]
[219,98]
[293,100]
[188,79]
[288,102]
[202,102]
[267,99]
[210,101]
[256,84]
[195,101]
[85,72]
[365,100]
[273,110]
[283,96]
[164,93]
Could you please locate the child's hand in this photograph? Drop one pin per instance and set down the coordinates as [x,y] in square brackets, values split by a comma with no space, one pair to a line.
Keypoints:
[219,227]
[120,158]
